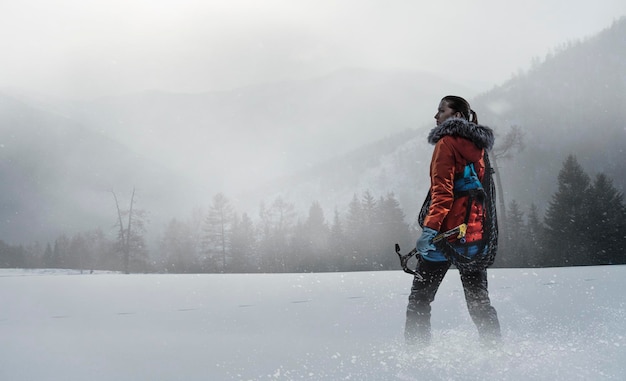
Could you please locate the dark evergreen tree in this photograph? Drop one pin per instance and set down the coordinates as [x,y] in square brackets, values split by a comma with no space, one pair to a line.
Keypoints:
[217,232]
[59,252]
[12,256]
[78,252]
[101,248]
[534,238]
[338,247]
[48,257]
[302,256]
[177,249]
[317,234]
[243,244]
[606,221]
[33,255]
[284,220]
[566,218]
[369,236]
[391,229]
[355,222]
[515,253]
[276,227]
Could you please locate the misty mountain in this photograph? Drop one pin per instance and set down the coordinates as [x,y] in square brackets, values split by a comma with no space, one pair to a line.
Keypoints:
[57,176]
[60,160]
[254,134]
[323,139]
[572,102]
[396,164]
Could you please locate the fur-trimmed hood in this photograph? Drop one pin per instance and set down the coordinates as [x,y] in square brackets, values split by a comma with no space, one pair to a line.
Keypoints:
[481,136]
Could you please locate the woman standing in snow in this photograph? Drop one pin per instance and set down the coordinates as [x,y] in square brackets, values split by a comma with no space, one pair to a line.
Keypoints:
[461,195]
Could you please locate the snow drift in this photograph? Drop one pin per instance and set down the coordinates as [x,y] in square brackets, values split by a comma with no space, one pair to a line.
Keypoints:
[558,323]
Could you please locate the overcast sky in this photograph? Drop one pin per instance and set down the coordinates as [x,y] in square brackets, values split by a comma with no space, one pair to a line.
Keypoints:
[82,48]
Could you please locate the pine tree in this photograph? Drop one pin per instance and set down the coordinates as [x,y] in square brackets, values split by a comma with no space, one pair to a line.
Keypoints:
[59,252]
[177,248]
[12,256]
[355,222]
[392,228]
[317,234]
[217,230]
[78,252]
[369,235]
[566,218]
[535,236]
[48,257]
[337,245]
[243,244]
[516,254]
[354,217]
[302,256]
[606,222]
[276,227]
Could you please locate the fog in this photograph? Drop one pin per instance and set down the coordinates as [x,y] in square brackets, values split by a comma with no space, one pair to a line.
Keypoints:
[76,49]
[185,99]
[310,101]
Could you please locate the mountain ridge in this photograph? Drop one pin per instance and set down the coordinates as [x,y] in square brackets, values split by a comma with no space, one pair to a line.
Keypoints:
[84,150]
[555,120]
[339,135]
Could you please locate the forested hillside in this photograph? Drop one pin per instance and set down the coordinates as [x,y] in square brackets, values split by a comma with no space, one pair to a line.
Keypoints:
[569,108]
[57,176]
[572,102]
[60,160]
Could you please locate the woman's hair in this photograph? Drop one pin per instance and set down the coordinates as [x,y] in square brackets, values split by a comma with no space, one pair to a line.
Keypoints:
[459,104]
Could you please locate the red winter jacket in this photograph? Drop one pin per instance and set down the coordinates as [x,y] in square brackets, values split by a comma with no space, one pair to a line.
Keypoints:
[457,143]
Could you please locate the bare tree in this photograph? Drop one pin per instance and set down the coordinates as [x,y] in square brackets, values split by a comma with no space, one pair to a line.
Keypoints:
[122,233]
[512,141]
[129,238]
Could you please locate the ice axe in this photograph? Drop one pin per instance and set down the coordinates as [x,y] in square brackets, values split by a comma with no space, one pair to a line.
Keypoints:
[460,231]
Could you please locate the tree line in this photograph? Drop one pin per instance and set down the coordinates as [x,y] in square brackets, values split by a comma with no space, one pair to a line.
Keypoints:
[584,224]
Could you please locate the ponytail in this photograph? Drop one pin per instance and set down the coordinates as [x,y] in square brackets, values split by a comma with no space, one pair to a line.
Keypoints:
[473,116]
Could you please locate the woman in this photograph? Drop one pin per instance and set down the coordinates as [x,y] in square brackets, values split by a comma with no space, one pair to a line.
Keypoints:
[460,193]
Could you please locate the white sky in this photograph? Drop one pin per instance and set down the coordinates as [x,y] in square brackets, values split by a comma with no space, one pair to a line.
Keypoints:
[78,48]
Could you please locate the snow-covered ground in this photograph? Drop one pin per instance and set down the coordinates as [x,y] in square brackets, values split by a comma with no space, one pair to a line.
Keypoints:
[558,324]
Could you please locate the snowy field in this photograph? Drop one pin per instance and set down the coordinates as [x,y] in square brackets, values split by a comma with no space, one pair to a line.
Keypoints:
[558,324]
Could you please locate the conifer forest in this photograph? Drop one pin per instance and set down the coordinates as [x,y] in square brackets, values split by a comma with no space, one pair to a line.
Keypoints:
[584,224]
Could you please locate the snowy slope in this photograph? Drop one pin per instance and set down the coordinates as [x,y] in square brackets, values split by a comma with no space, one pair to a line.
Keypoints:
[558,324]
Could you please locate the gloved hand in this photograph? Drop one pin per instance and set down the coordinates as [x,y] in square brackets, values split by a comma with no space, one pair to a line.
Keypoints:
[425,241]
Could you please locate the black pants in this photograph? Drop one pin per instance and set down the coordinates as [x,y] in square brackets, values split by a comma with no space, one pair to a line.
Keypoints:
[417,328]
